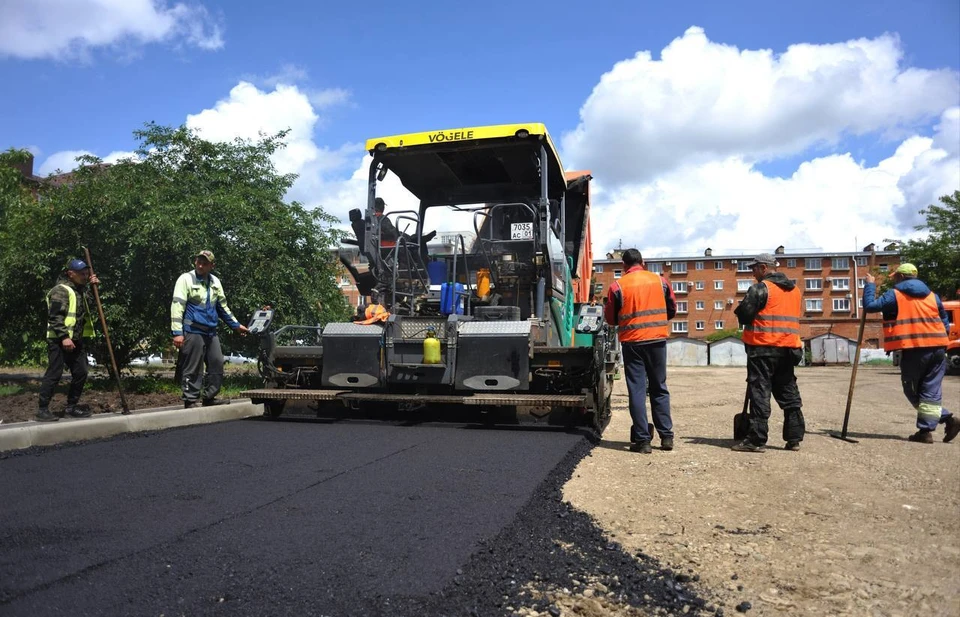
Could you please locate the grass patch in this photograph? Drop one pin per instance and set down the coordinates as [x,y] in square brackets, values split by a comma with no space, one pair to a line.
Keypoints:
[879,362]
[150,383]
[10,390]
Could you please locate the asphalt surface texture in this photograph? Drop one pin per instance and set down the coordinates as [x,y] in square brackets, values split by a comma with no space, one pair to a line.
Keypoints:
[263,517]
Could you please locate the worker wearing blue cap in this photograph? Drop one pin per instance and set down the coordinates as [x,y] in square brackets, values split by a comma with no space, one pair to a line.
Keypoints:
[69,321]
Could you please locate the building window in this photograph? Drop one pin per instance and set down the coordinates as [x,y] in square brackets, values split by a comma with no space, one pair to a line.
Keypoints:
[718,265]
[682,307]
[840,284]
[699,285]
[617,273]
[814,305]
[598,289]
[813,284]
[718,285]
[598,268]
[700,305]
[742,266]
[859,302]
[718,325]
[679,267]
[861,283]
[791,263]
[655,267]
[841,304]
[812,263]
[861,261]
[344,281]
[679,326]
[794,281]
[718,305]
[699,325]
[840,263]
[699,265]
[680,287]
[884,267]
[743,285]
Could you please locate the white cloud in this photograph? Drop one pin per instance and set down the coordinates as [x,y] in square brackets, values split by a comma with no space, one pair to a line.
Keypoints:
[62,29]
[249,112]
[705,101]
[66,160]
[674,145]
[829,203]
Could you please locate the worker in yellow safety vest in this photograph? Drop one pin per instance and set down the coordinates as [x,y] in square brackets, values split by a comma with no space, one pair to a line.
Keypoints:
[69,322]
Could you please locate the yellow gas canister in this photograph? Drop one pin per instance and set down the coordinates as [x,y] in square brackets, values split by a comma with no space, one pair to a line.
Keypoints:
[431,348]
[483,282]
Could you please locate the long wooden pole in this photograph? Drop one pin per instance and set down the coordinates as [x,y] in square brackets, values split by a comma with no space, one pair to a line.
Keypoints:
[106,335]
[856,364]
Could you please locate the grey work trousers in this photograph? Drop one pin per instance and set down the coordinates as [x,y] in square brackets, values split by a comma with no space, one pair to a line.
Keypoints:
[197,350]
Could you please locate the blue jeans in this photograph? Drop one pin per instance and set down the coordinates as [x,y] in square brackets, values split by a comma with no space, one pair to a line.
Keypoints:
[645,367]
[921,375]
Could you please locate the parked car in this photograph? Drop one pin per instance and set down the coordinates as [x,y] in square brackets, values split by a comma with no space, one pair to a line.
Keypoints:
[236,358]
[153,359]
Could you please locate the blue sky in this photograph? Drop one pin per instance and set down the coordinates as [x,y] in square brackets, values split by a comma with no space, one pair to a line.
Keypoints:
[384,68]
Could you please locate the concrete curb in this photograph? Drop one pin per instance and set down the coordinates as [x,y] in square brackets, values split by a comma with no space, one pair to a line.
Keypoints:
[26,434]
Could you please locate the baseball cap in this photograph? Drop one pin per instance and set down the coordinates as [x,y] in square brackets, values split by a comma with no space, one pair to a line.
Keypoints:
[763,258]
[208,255]
[908,269]
[76,264]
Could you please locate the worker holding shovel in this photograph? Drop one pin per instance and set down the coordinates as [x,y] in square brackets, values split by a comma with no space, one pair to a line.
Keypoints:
[916,324]
[69,321]
[770,315]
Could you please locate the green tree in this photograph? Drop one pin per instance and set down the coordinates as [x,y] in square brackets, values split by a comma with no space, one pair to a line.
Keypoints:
[144,218]
[721,334]
[937,256]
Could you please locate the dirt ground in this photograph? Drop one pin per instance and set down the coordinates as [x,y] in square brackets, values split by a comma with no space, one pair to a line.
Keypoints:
[22,407]
[871,528]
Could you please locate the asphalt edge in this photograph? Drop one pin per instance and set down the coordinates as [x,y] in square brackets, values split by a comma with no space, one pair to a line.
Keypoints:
[22,435]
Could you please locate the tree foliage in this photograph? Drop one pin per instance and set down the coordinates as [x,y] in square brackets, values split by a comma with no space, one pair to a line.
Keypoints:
[142,220]
[937,256]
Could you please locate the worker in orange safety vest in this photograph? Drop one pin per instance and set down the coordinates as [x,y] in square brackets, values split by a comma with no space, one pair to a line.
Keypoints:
[770,316]
[640,303]
[916,324]
[374,311]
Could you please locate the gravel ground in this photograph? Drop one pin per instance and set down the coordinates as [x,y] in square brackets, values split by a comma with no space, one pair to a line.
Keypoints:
[835,529]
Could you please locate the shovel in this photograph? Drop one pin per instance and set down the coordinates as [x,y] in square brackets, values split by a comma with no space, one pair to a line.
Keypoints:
[741,421]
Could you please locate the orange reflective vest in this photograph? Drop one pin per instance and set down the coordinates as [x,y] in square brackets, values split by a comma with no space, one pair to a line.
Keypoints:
[778,323]
[373,314]
[918,324]
[643,316]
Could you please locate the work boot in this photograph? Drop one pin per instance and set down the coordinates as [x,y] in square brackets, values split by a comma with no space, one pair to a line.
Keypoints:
[44,415]
[952,427]
[921,437]
[666,443]
[190,404]
[210,402]
[643,447]
[793,446]
[748,446]
[77,411]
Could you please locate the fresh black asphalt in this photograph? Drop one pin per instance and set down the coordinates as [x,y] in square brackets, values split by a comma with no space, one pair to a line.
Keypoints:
[304,518]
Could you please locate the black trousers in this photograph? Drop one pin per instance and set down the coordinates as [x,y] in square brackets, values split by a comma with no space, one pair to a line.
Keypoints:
[57,357]
[768,374]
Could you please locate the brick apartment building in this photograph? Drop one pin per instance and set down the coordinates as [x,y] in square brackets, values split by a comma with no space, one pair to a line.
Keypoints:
[709,287]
